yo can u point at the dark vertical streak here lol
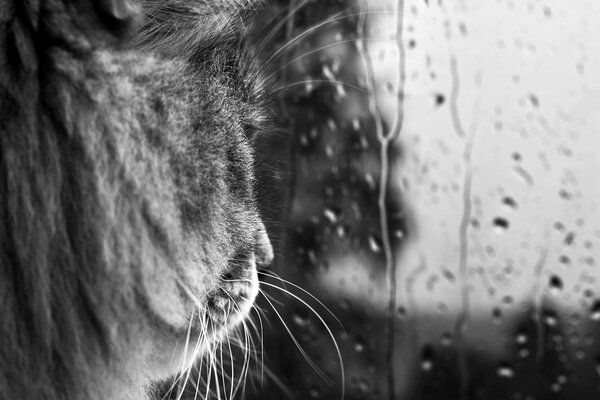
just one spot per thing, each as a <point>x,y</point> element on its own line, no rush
<point>456,122</point>
<point>537,299</point>
<point>386,141</point>
<point>462,320</point>
<point>391,267</point>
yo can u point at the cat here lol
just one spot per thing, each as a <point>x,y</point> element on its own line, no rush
<point>130,236</point>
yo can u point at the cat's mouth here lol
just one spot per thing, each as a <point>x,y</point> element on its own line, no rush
<point>231,302</point>
<point>219,313</point>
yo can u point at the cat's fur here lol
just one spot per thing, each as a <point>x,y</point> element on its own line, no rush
<point>127,210</point>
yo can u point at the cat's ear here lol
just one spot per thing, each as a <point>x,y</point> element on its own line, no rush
<point>120,15</point>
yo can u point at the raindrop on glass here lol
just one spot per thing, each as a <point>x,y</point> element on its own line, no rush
<point>505,371</point>
<point>375,243</point>
<point>500,224</point>
<point>595,311</point>
<point>556,284</point>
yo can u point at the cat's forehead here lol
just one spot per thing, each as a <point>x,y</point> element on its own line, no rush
<point>208,6</point>
<point>176,26</point>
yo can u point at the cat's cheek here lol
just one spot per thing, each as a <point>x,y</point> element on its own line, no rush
<point>170,357</point>
<point>163,296</point>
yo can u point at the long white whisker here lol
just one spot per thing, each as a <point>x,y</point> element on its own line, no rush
<point>232,367</point>
<point>279,89</point>
<point>309,31</point>
<point>286,282</point>
<point>269,77</point>
<point>291,12</point>
<point>223,375</point>
<point>315,367</point>
<point>337,348</point>
<point>262,343</point>
<point>182,359</point>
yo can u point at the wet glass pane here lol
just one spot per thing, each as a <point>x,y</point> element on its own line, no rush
<point>434,202</point>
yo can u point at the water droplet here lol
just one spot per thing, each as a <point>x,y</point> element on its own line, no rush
<point>427,358</point>
<point>363,385</point>
<point>446,339</point>
<point>303,140</point>
<point>505,371</point>
<point>345,304</point>
<point>440,99</point>
<point>371,183</point>
<point>523,353</point>
<point>401,312</point>
<point>569,239</point>
<point>314,392</point>
<point>535,102</point>
<point>324,266</point>
<point>426,365</point>
<point>496,315</point>
<point>556,284</point>
<point>565,260</point>
<point>549,318</point>
<point>375,244</point>
<point>332,214</point>
<point>595,311</point>
<point>500,224</point>
<point>521,338</point>
<point>329,150</point>
<point>300,320</point>
<point>312,256</point>
<point>359,344</point>
<point>509,202</point>
<point>342,231</point>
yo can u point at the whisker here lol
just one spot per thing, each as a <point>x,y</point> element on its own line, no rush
<point>310,30</point>
<point>286,282</point>
<point>315,367</point>
<point>273,299</point>
<point>261,335</point>
<point>291,12</point>
<point>310,81</point>
<point>223,374</point>
<point>307,32</point>
<point>273,74</point>
<point>177,380</point>
<point>331,335</point>
<point>204,326</point>
<point>231,390</point>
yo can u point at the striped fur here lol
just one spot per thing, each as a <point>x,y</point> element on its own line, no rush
<point>126,190</point>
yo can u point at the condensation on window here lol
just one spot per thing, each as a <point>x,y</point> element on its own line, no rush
<point>442,230</point>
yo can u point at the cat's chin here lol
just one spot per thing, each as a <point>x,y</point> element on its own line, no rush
<point>224,312</point>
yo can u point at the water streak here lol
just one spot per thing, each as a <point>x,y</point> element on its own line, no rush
<point>386,140</point>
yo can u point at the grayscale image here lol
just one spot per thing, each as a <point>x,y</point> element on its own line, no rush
<point>301,199</point>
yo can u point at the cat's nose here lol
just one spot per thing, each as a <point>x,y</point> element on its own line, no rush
<point>263,250</point>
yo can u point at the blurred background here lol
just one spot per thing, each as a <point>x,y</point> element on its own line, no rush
<point>435,189</point>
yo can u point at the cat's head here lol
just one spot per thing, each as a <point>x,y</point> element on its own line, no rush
<point>130,235</point>
<point>204,89</point>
